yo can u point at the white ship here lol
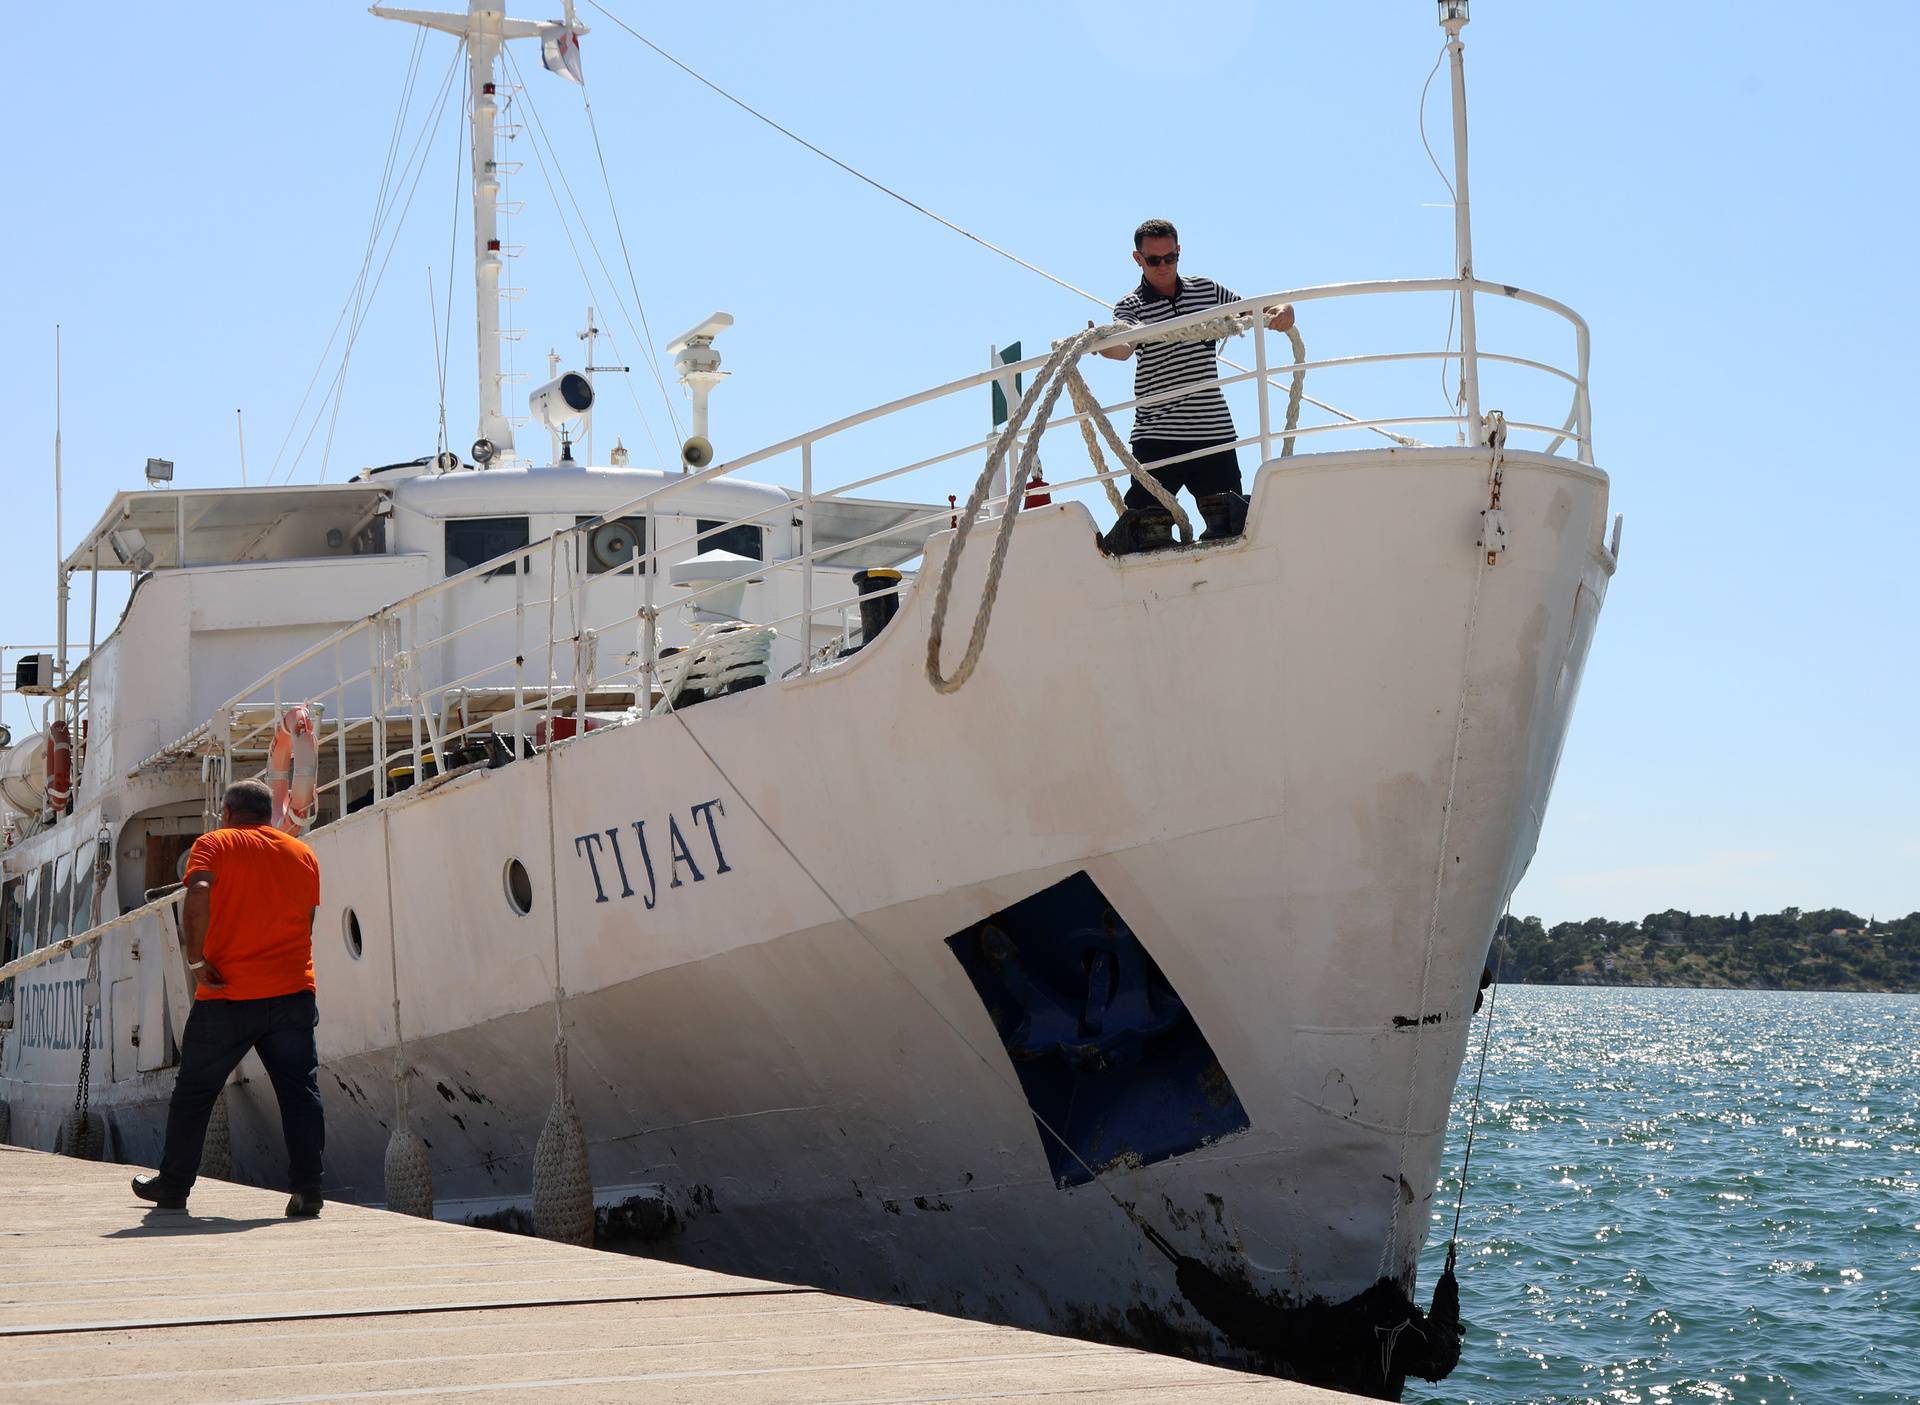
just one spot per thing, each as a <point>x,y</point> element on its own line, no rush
<point>1118,991</point>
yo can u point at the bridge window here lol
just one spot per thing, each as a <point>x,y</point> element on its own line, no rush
<point>748,539</point>
<point>83,914</point>
<point>57,929</point>
<point>471,540</point>
<point>12,923</point>
<point>39,903</point>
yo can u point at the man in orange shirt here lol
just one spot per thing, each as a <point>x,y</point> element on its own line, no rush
<point>251,895</point>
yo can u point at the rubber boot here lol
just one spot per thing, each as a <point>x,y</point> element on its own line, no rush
<point>1225,514</point>
<point>1139,529</point>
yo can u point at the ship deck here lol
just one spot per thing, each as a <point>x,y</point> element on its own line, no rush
<point>106,1298</point>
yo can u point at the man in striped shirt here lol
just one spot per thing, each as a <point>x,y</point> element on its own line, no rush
<point>1198,420</point>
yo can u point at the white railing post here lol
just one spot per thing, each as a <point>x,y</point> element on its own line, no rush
<point>806,555</point>
<point>410,680</point>
<point>522,568</point>
<point>1585,409</point>
<point>339,731</point>
<point>577,607</point>
<point>650,567</point>
<point>1260,379</point>
<point>377,702</point>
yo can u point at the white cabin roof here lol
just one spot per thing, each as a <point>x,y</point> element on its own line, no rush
<point>227,524</point>
<point>578,490</point>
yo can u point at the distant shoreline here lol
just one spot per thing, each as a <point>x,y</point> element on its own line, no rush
<point>1750,989</point>
<point>1825,949</point>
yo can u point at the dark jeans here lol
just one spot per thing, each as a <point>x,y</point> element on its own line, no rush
<point>217,1037</point>
<point>1218,472</point>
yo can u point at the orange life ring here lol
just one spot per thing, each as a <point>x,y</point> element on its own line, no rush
<point>59,766</point>
<point>293,770</point>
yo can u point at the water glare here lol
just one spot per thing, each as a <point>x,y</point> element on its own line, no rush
<point>1689,1195</point>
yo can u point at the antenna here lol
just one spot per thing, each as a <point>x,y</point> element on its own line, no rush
<point>589,336</point>
<point>240,427</point>
<point>439,366</point>
<point>59,526</point>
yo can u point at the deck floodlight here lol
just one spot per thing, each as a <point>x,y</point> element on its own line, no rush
<point>1453,14</point>
<point>561,400</point>
<point>159,471</point>
<point>130,545</point>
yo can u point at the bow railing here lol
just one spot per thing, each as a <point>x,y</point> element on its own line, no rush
<point>454,676</point>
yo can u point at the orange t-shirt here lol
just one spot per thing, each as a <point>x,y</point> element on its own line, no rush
<point>266,885</point>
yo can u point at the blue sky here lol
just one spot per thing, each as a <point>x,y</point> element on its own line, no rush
<point>1725,191</point>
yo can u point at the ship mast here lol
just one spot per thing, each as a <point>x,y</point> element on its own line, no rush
<point>1453,19</point>
<point>485,27</point>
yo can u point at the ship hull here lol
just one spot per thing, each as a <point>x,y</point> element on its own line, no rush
<point>1269,795</point>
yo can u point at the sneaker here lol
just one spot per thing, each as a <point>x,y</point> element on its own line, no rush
<point>304,1204</point>
<point>163,1196</point>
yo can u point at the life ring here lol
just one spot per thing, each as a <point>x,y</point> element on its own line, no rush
<point>59,766</point>
<point>293,769</point>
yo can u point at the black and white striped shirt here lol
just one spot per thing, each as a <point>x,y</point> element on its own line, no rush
<point>1198,418</point>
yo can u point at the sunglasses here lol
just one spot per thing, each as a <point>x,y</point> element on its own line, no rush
<point>1155,260</point>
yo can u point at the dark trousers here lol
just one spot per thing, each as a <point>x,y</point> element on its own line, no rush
<point>1217,472</point>
<point>217,1037</point>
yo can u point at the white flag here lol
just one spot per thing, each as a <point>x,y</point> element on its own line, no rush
<point>560,51</point>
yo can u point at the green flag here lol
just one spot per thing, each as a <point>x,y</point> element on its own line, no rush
<point>1005,356</point>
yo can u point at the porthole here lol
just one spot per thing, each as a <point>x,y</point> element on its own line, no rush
<point>519,887</point>
<point>350,926</point>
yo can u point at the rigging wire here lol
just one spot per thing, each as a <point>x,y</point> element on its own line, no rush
<point>538,132</point>
<point>1473,1116</point>
<point>360,293</point>
<point>439,366</point>
<point>942,219</point>
<point>539,129</point>
<point>417,164</point>
<point>835,160</point>
<point>653,356</point>
<point>373,234</point>
<point>453,248</point>
<point>1453,196</point>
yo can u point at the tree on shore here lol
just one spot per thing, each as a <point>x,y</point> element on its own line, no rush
<point>1825,949</point>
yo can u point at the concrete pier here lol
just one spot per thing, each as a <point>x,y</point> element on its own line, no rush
<point>104,1298</point>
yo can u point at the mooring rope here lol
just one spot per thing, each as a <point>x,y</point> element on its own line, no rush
<point>1473,1111</point>
<point>562,1172</point>
<point>1062,370</point>
<point>407,1170</point>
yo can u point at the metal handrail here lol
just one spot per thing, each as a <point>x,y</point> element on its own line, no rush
<point>392,632</point>
<point>53,951</point>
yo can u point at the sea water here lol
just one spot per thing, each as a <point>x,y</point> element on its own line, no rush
<point>1687,1195</point>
